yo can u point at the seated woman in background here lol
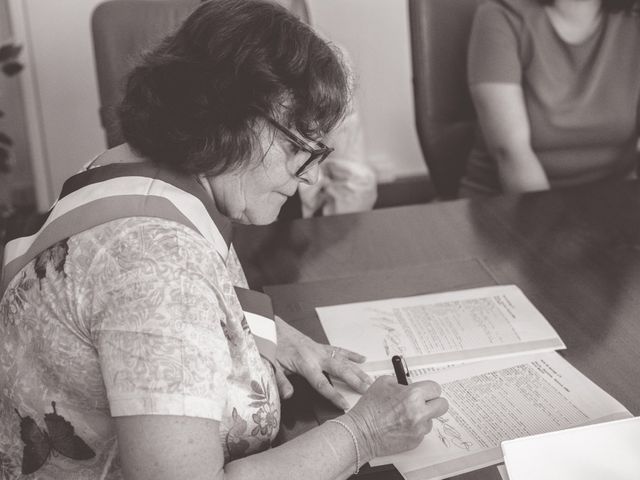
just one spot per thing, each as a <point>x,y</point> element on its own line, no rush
<point>347,180</point>
<point>556,87</point>
<point>131,347</point>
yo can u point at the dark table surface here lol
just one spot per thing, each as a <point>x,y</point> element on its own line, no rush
<point>575,253</point>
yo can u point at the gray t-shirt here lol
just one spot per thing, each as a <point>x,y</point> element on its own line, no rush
<point>582,99</point>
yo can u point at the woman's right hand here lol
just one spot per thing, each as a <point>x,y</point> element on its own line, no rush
<point>392,418</point>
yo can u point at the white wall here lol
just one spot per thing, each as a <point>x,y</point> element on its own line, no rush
<point>61,97</point>
<point>59,86</point>
<point>13,123</point>
<point>376,35</point>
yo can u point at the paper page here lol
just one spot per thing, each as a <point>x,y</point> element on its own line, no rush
<point>503,472</point>
<point>440,328</point>
<point>500,400</point>
<point>605,451</point>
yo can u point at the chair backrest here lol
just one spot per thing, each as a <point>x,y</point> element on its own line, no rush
<point>298,7</point>
<point>445,117</point>
<point>122,30</point>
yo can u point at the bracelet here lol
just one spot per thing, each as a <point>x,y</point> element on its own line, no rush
<point>355,442</point>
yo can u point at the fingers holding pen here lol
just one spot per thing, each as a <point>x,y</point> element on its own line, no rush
<point>396,417</point>
<point>429,389</point>
<point>437,407</point>
<point>425,403</point>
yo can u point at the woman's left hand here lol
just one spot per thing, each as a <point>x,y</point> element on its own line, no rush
<point>297,353</point>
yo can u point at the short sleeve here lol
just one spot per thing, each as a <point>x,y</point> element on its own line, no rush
<point>493,48</point>
<point>158,323</point>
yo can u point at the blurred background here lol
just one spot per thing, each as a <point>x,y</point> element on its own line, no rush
<point>51,107</point>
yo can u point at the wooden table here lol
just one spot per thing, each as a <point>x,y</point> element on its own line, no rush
<point>575,253</point>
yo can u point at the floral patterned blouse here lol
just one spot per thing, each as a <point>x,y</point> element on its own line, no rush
<point>137,316</point>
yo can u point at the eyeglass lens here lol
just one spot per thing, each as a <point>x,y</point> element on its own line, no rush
<point>316,155</point>
<point>315,158</point>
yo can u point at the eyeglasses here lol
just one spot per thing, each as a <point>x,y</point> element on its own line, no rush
<point>318,151</point>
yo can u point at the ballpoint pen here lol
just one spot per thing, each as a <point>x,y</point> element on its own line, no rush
<point>401,370</point>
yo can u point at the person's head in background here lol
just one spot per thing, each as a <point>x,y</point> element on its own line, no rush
<point>609,6</point>
<point>212,99</point>
<point>298,7</point>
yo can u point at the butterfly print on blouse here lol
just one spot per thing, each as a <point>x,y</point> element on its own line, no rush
<point>59,437</point>
<point>56,255</point>
<point>237,445</point>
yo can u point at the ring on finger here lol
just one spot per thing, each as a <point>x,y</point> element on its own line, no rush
<point>333,353</point>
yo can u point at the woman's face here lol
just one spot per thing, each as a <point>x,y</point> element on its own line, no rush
<point>254,193</point>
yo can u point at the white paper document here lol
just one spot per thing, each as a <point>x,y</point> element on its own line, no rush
<point>442,328</point>
<point>608,451</point>
<point>502,470</point>
<point>498,400</point>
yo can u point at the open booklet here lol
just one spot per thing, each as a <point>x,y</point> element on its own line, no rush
<point>497,400</point>
<point>493,354</point>
<point>441,328</point>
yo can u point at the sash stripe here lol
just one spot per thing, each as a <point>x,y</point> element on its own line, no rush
<point>255,302</point>
<point>115,191</point>
<point>262,326</point>
<point>143,187</point>
<point>107,172</point>
<point>35,224</point>
<point>80,219</point>
<point>267,348</point>
<point>258,312</point>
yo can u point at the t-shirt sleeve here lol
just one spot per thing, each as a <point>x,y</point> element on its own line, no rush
<point>159,324</point>
<point>493,55</point>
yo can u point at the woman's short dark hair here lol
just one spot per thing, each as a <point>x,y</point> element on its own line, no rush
<point>610,6</point>
<point>194,102</point>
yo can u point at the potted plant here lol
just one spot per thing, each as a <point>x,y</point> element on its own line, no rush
<point>9,66</point>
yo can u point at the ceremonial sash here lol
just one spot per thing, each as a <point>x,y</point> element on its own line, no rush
<point>121,190</point>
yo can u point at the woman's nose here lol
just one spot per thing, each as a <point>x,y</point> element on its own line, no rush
<point>311,175</point>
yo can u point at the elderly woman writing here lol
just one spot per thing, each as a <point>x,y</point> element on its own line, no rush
<point>131,347</point>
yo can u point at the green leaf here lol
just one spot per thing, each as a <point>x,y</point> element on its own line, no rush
<point>4,160</point>
<point>5,140</point>
<point>255,386</point>
<point>9,52</point>
<point>12,68</point>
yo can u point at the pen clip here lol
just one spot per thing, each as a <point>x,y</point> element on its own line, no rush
<point>406,370</point>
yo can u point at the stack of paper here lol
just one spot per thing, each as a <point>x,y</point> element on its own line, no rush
<point>493,354</point>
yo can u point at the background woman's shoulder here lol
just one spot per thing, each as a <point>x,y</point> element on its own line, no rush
<point>516,9</point>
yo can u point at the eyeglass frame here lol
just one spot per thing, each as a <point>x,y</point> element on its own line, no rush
<point>304,144</point>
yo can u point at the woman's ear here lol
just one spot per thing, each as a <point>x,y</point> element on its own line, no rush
<point>229,194</point>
